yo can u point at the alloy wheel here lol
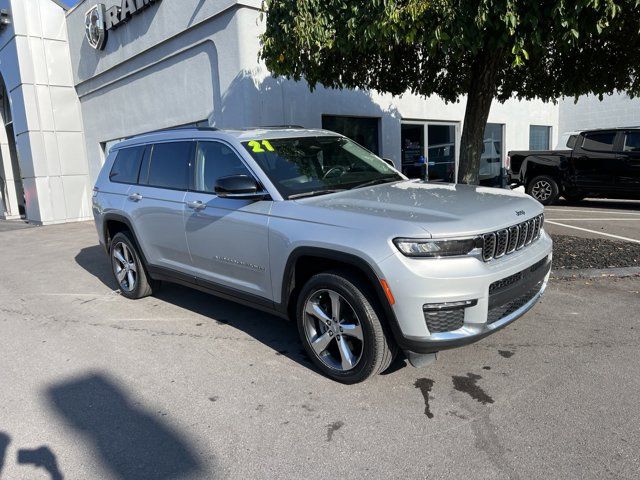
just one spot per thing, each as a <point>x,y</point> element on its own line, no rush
<point>333,330</point>
<point>542,190</point>
<point>125,267</point>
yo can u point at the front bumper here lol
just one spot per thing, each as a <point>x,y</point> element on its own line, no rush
<point>518,280</point>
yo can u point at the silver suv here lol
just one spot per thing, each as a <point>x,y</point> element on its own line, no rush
<point>308,225</point>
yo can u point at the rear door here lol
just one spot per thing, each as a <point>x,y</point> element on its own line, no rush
<point>227,237</point>
<point>594,162</point>
<point>156,204</point>
<point>629,174</point>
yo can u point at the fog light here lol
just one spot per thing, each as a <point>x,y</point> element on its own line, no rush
<point>439,307</point>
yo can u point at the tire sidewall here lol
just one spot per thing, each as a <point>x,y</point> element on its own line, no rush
<point>555,190</point>
<point>141,273</point>
<point>364,312</point>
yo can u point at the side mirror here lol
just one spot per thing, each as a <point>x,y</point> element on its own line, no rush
<point>238,186</point>
<point>389,162</point>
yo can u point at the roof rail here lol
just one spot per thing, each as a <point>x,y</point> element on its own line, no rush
<point>282,126</point>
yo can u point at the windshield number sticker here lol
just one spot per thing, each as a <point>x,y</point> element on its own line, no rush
<point>256,146</point>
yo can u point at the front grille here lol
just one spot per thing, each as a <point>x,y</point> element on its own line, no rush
<point>508,240</point>
<point>508,308</point>
<point>444,320</point>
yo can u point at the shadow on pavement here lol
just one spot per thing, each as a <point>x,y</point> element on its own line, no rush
<point>41,457</point>
<point>95,261</point>
<point>274,332</point>
<point>131,442</point>
<point>5,440</point>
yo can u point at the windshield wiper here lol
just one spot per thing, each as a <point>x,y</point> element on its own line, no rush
<point>377,181</point>
<point>314,193</point>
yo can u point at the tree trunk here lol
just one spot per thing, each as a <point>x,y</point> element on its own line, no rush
<point>484,75</point>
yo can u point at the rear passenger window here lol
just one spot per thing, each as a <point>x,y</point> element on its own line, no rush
<point>599,142</point>
<point>169,165</point>
<point>215,160</point>
<point>126,165</point>
<point>632,142</point>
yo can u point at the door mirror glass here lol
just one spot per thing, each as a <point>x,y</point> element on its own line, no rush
<point>237,186</point>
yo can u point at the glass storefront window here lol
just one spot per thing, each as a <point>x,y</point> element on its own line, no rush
<point>362,130</point>
<point>539,137</point>
<point>491,158</point>
<point>412,139</point>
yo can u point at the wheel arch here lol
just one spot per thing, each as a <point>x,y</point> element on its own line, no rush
<point>304,262</point>
<point>114,223</point>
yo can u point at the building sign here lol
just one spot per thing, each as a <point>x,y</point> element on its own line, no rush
<point>99,20</point>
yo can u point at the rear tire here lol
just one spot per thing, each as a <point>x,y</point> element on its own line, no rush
<point>347,355</point>
<point>128,269</point>
<point>544,189</point>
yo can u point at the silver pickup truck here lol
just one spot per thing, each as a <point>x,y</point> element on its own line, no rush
<point>308,225</point>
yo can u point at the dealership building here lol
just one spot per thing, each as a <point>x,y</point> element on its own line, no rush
<point>74,82</point>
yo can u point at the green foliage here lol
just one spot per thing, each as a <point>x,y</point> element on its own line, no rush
<point>544,49</point>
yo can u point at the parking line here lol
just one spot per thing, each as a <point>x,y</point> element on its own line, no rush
<point>576,210</point>
<point>633,240</point>
<point>597,219</point>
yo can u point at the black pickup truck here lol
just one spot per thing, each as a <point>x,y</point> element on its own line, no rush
<point>597,163</point>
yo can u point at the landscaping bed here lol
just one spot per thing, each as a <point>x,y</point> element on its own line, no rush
<point>577,253</point>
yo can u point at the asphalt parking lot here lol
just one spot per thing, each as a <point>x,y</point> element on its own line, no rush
<point>596,218</point>
<point>184,385</point>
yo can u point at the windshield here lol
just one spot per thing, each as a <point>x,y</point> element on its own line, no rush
<point>315,165</point>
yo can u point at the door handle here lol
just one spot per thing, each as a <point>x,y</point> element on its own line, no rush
<point>197,205</point>
<point>135,197</point>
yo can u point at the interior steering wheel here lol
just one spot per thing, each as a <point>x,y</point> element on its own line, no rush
<point>342,170</point>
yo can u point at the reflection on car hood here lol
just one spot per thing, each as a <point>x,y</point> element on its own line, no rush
<point>440,209</point>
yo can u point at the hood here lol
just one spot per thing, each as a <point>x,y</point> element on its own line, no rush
<point>442,210</point>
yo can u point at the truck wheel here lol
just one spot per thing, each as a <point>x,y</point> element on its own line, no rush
<point>128,269</point>
<point>340,329</point>
<point>544,189</point>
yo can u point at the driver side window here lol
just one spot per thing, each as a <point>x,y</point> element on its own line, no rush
<point>213,161</point>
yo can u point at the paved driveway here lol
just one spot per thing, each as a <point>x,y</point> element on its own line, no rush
<point>596,218</point>
<point>183,385</point>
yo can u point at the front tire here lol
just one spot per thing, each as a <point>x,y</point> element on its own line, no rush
<point>340,328</point>
<point>544,189</point>
<point>128,269</point>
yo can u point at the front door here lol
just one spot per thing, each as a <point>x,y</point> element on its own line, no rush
<point>413,151</point>
<point>441,152</point>
<point>228,238</point>
<point>629,174</point>
<point>595,163</point>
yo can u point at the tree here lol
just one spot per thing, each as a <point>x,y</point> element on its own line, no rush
<point>486,49</point>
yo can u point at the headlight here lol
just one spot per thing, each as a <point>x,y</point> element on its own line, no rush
<point>436,248</point>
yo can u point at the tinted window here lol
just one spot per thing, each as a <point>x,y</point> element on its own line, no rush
<point>169,165</point>
<point>571,142</point>
<point>600,142</point>
<point>632,142</point>
<point>539,137</point>
<point>215,160</point>
<point>362,130</point>
<point>127,165</point>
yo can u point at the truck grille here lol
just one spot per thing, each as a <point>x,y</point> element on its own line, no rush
<point>508,240</point>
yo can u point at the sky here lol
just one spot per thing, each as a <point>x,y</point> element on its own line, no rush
<point>71,3</point>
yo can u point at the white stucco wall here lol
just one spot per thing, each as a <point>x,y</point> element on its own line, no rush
<point>184,61</point>
<point>617,110</point>
<point>35,64</point>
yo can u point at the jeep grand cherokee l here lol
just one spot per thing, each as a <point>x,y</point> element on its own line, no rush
<point>308,225</point>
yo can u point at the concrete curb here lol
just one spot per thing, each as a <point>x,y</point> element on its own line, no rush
<point>596,273</point>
